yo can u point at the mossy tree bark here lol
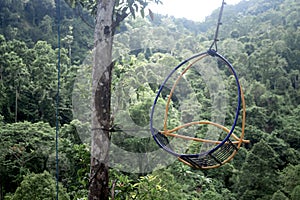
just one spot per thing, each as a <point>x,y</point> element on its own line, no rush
<point>101,95</point>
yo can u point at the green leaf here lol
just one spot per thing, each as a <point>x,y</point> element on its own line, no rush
<point>132,11</point>
<point>143,12</point>
<point>136,7</point>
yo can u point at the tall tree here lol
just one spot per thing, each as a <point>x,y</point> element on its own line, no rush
<point>101,81</point>
<point>108,15</point>
<point>262,163</point>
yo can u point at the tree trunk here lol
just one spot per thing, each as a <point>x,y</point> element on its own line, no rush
<point>100,105</point>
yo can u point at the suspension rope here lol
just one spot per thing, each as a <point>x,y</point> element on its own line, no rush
<point>57,97</point>
<point>217,29</point>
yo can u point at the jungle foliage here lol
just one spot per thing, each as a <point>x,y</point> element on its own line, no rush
<point>261,38</point>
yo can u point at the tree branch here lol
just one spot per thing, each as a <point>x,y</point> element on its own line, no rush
<point>119,18</point>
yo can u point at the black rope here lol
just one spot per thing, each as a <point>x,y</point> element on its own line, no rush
<point>217,29</point>
<point>117,129</point>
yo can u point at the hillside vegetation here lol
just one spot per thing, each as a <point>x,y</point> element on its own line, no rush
<point>261,38</point>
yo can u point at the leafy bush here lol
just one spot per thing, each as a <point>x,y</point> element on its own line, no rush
<point>296,193</point>
<point>38,187</point>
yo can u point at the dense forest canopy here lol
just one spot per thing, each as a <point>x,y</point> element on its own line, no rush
<point>261,38</point>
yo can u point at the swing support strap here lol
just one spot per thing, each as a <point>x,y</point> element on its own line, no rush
<point>214,44</point>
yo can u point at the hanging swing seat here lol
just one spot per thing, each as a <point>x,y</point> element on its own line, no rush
<point>224,150</point>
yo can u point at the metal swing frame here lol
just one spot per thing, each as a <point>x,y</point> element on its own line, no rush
<point>224,150</point>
